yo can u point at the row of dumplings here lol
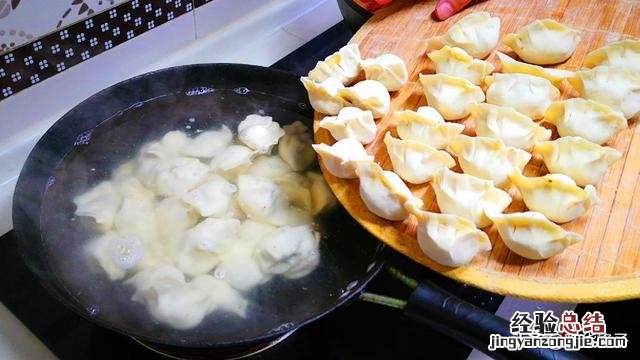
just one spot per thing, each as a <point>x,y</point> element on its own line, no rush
<point>506,132</point>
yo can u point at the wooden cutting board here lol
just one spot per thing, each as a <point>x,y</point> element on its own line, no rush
<point>606,265</point>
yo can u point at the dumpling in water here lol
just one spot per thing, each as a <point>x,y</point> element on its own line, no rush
<point>583,161</point>
<point>136,215</point>
<point>172,144</point>
<point>450,95</point>
<point>98,250</point>
<point>202,245</point>
<point>427,126</point>
<point>616,87</point>
<point>233,157</point>
<point>556,196</point>
<point>322,198</point>
<point>340,159</point>
<point>388,69</point>
<point>221,295</point>
<point>211,198</point>
<point>239,268</point>
<point>208,143</point>
<point>504,123</point>
<point>368,95</point>
<point>531,235</point>
<point>290,250</point>
<point>456,62</point>
<point>510,65</point>
<point>179,176</point>
<point>269,166</point>
<point>351,122</point>
<point>383,192</point>
<point>530,95</point>
<point>101,202</point>
<point>544,42</point>
<point>323,96</point>
<point>173,218</point>
<point>296,189</point>
<point>624,54</point>
<point>488,158</point>
<point>414,161</point>
<point>343,65</point>
<point>585,118</point>
<point>468,196</point>
<point>447,239</point>
<point>476,33</point>
<point>260,133</point>
<point>295,146</point>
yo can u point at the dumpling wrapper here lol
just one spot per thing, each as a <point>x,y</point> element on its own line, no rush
<point>450,95</point>
<point>208,143</point>
<point>488,158</point>
<point>583,161</point>
<point>504,123</point>
<point>368,95</point>
<point>202,245</point>
<point>341,158</point>
<point>510,65</point>
<point>383,192</point>
<point>456,62</point>
<point>290,251</point>
<point>448,239</point>
<point>269,166</point>
<point>173,218</point>
<point>295,146</point>
<point>222,295</point>
<point>427,126</point>
<point>624,54</point>
<point>544,42</point>
<point>260,133</point>
<point>414,161</point>
<point>296,188</point>
<point>388,69</point>
<point>323,96</point>
<point>322,198</point>
<point>531,235</point>
<point>211,198</point>
<point>239,268</point>
<point>476,33</point>
<point>353,123</point>
<point>179,175</point>
<point>343,65</point>
<point>468,196</point>
<point>172,144</point>
<point>556,196</point>
<point>101,202</point>
<point>136,215</point>
<point>98,250</point>
<point>528,94</point>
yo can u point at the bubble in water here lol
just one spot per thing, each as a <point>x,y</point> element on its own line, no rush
<point>241,90</point>
<point>126,251</point>
<point>192,120</point>
<point>92,310</point>
<point>93,169</point>
<point>283,327</point>
<point>188,127</point>
<point>302,106</point>
<point>351,285</point>
<point>219,273</point>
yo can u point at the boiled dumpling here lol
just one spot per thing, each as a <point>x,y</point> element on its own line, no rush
<point>295,146</point>
<point>211,198</point>
<point>239,268</point>
<point>583,161</point>
<point>233,157</point>
<point>101,203</point>
<point>368,95</point>
<point>624,54</point>
<point>323,96</point>
<point>531,235</point>
<point>179,175</point>
<point>450,95</point>
<point>447,239</point>
<point>414,161</point>
<point>388,69</point>
<point>136,215</point>
<point>456,62</point>
<point>383,192</point>
<point>172,144</point>
<point>351,122</point>
<point>476,33</point>
<point>98,250</point>
<point>544,42</point>
<point>468,196</point>
<point>585,118</point>
<point>269,166</point>
<point>259,132</point>
<point>221,295</point>
<point>504,123</point>
<point>556,196</point>
<point>296,189</point>
<point>202,245</point>
<point>343,65</point>
<point>321,196</point>
<point>530,95</point>
<point>488,158</point>
<point>290,250</point>
<point>510,65</point>
<point>208,143</point>
<point>426,125</point>
<point>341,158</point>
<point>616,87</point>
<point>173,218</point>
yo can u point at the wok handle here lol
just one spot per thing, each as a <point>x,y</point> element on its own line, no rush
<point>469,324</point>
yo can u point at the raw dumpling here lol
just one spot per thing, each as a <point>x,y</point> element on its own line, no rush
<point>211,198</point>
<point>174,217</point>
<point>291,251</point>
<point>450,95</point>
<point>179,175</point>
<point>447,239</point>
<point>351,122</point>
<point>383,192</point>
<point>426,125</point>
<point>388,69</point>
<point>544,42</point>
<point>368,95</point>
<point>101,202</point>
<point>624,54</point>
<point>488,158</point>
<point>585,118</point>
<point>616,87</point>
<point>456,62</point>
<point>295,146</point>
<point>468,196</point>
<point>221,294</point>
<point>510,65</point>
<point>530,95</point>
<point>476,33</point>
<point>531,235</point>
<point>323,96</point>
<point>504,123</point>
<point>209,143</point>
<point>343,65</point>
<point>414,161</point>
<point>202,245</point>
<point>232,157</point>
<point>322,198</point>
<point>341,158</point>
<point>583,161</point>
<point>556,196</point>
<point>269,166</point>
<point>260,133</point>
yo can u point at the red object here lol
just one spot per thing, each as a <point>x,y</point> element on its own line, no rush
<point>569,324</point>
<point>593,323</point>
<point>372,5</point>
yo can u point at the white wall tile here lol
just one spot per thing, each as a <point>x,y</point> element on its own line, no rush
<point>218,14</point>
<point>316,20</point>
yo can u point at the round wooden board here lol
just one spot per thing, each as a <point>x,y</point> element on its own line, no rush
<point>606,265</point>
